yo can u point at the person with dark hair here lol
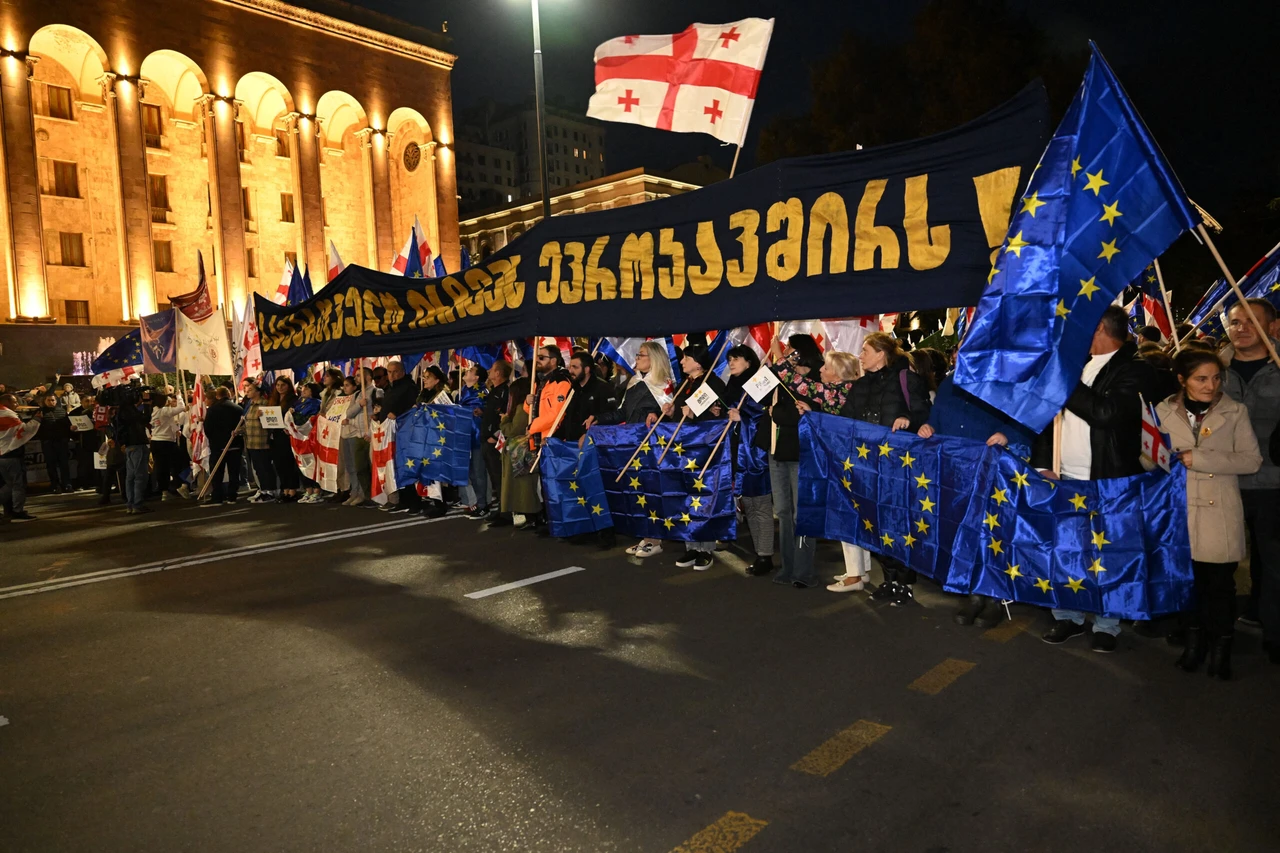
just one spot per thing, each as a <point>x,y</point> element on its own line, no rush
<point>750,463</point>
<point>222,426</point>
<point>257,443</point>
<point>306,407</point>
<point>132,420</point>
<point>472,396</point>
<point>1183,329</point>
<point>592,397</point>
<point>1254,380</point>
<point>354,444</point>
<point>548,396</point>
<point>1162,365</point>
<point>1212,437</point>
<point>495,406</point>
<point>890,394</point>
<point>398,397</point>
<point>519,486</point>
<point>13,465</point>
<point>282,459</point>
<point>435,387</point>
<point>1102,438</point>
<point>55,443</point>
<point>1149,333</point>
<point>164,443</point>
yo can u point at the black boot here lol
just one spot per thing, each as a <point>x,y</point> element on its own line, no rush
<point>969,610</point>
<point>1220,658</point>
<point>1193,652</point>
<point>762,566</point>
<point>991,614</point>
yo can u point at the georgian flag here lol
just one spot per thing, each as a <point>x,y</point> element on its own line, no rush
<point>384,461</point>
<point>418,246</point>
<point>335,262</point>
<point>249,346</point>
<point>1155,441</point>
<point>813,328</point>
<point>281,296</point>
<point>302,441</point>
<point>119,376</point>
<point>328,430</point>
<point>701,80</point>
<point>199,442</point>
<point>13,431</point>
<point>847,334</point>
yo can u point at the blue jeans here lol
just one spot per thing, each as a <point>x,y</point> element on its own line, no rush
<point>1101,624</point>
<point>476,492</point>
<point>797,559</point>
<point>136,477</point>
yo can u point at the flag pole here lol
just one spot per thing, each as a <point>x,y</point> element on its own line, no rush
<point>1217,305</point>
<point>648,435</point>
<point>676,432</point>
<point>1248,309</point>
<point>208,481</point>
<point>723,433</point>
<point>1168,309</point>
<point>734,168</point>
<point>1057,445</point>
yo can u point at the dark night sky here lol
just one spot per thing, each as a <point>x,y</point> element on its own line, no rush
<point>1203,74</point>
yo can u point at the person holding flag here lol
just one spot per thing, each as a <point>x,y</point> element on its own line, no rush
<point>14,434</point>
<point>750,463</point>
<point>1211,435</point>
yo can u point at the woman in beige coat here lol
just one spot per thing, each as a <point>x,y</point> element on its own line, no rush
<point>1213,438</point>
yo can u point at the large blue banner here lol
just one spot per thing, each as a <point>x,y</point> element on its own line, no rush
<point>671,500</point>
<point>978,519</point>
<point>904,226</point>
<point>433,445</point>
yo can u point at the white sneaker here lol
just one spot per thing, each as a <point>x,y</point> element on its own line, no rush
<point>841,586</point>
<point>184,491</point>
<point>689,558</point>
<point>648,549</point>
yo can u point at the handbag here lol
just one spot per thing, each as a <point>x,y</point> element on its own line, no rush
<point>521,458</point>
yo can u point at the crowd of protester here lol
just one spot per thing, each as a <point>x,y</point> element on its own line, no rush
<point>1219,404</point>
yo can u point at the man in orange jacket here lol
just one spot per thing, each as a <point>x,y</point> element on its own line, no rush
<point>549,396</point>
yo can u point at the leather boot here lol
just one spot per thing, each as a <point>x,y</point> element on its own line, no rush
<point>1220,658</point>
<point>969,610</point>
<point>1193,652</point>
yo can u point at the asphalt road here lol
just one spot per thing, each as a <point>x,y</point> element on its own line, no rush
<point>289,678</point>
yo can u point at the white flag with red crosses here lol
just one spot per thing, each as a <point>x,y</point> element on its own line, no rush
<point>702,80</point>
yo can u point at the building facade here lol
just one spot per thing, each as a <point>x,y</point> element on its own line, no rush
<point>575,148</point>
<point>488,232</point>
<point>136,135</point>
<point>486,175</point>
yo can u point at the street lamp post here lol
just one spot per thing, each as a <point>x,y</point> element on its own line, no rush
<point>539,95</point>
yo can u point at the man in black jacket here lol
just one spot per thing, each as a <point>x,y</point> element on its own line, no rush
<point>132,421</point>
<point>495,406</point>
<point>222,428</point>
<point>592,397</point>
<point>399,397</point>
<point>1102,438</point>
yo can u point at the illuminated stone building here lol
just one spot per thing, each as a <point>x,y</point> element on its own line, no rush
<point>135,134</point>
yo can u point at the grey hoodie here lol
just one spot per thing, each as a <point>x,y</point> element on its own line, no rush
<point>1262,398</point>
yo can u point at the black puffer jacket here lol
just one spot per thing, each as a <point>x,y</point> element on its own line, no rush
<point>495,406</point>
<point>878,397</point>
<point>637,404</point>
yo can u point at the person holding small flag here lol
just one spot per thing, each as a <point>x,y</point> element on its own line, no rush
<point>696,365</point>
<point>1212,437</point>
<point>750,463</point>
<point>495,406</point>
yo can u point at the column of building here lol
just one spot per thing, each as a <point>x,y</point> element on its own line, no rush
<point>375,144</point>
<point>137,270</point>
<point>304,131</point>
<point>223,151</point>
<point>28,292</point>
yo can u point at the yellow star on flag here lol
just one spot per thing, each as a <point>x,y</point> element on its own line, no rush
<point>408,463</point>
<point>635,482</point>
<point>1100,539</point>
<point>1095,182</point>
<point>1097,568</point>
<point>867,523</point>
<point>442,439</point>
<point>1016,244</point>
<point>1075,167</point>
<point>996,546</point>
<point>1000,496</point>
<point>1076,585</point>
<point>653,515</point>
<point>426,461</point>
<point>641,500</point>
<point>848,463</point>
<point>691,464</point>
<point>1013,570</point>
<point>662,441</point>
<point>863,450</point>
<point>668,523</point>
<point>1109,250</point>
<point>1078,501</point>
<point>698,484</point>
<point>1110,212</point>
<point>1031,204</point>
<point>582,501</point>
<point>1043,584</point>
<point>991,521</point>
<point>926,505</point>
<point>922,526</point>
<point>635,463</point>
<point>1019,479</point>
<point>684,516</point>
<point>695,502</point>
<point>596,509</point>
<point>844,481</point>
<point>679,449</point>
<point>1088,288</point>
<point>436,453</point>
<point>923,482</point>
<point>573,487</point>
<point>886,539</point>
<point>645,448</point>
<point>907,459</point>
<point>1062,310</point>
<point>909,540</point>
<point>884,449</point>
<point>991,275</point>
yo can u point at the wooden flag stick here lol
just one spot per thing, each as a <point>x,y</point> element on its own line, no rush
<point>672,441</point>
<point>208,481</point>
<point>723,433</point>
<point>555,425</point>
<point>1168,309</point>
<point>647,435</point>
<point>1248,309</point>
<point>1057,444</point>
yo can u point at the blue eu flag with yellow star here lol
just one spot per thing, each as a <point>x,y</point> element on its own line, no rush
<point>125,352</point>
<point>1262,281</point>
<point>1100,206</point>
<point>672,499</point>
<point>433,445</point>
<point>979,519</point>
<point>573,489</point>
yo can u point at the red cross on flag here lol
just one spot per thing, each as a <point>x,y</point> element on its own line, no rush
<point>702,80</point>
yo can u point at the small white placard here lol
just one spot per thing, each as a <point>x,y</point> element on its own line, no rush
<point>761,384</point>
<point>100,461</point>
<point>82,423</point>
<point>701,400</point>
<point>270,417</point>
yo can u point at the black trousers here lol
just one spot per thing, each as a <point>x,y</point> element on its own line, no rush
<point>1215,607</point>
<point>409,497</point>
<point>111,477</point>
<point>493,463</point>
<point>231,464</point>
<point>896,570</point>
<point>282,459</point>
<point>57,461</point>
<point>262,467</point>
<point>165,454</point>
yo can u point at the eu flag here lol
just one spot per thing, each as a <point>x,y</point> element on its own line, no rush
<point>433,445</point>
<point>159,334</point>
<point>979,519</point>
<point>1100,206</point>
<point>1260,282</point>
<point>125,352</point>
<point>299,292</point>
<point>573,489</point>
<point>672,500</point>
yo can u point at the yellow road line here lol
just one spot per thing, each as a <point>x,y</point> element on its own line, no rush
<point>717,570</point>
<point>1007,630</point>
<point>940,677</point>
<point>725,835</point>
<point>831,755</point>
